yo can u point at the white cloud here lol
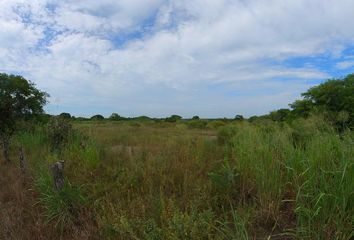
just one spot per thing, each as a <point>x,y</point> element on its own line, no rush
<point>345,64</point>
<point>70,48</point>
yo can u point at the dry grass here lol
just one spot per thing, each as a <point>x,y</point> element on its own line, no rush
<point>22,217</point>
<point>145,180</point>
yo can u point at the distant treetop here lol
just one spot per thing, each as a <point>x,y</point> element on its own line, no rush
<point>65,115</point>
<point>97,117</point>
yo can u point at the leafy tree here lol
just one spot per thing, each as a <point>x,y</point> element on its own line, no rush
<point>173,118</point>
<point>97,117</point>
<point>19,100</point>
<point>335,94</point>
<point>253,118</point>
<point>302,108</point>
<point>195,118</point>
<point>280,115</point>
<point>335,98</point>
<point>65,115</point>
<point>239,117</point>
<point>115,117</point>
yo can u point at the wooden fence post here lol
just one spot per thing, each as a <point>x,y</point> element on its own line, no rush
<point>58,176</point>
<point>23,162</point>
<point>5,148</point>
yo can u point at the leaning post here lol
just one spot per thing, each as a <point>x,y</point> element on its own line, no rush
<point>58,176</point>
<point>23,161</point>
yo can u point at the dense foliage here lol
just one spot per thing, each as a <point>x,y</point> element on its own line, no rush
<point>19,100</point>
<point>333,99</point>
<point>97,117</point>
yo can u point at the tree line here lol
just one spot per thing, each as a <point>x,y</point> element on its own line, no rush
<point>334,99</point>
<point>21,101</point>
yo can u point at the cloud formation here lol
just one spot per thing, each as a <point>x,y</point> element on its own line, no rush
<point>160,57</point>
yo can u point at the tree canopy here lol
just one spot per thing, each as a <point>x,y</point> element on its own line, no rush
<point>115,117</point>
<point>19,99</point>
<point>173,118</point>
<point>65,115</point>
<point>335,97</point>
<point>97,117</point>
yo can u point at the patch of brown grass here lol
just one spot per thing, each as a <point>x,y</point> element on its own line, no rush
<point>21,217</point>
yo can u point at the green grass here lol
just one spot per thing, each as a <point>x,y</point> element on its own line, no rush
<point>209,180</point>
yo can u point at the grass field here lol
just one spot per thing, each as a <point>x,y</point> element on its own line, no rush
<point>233,180</point>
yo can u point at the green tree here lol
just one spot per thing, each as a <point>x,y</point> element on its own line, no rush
<point>19,100</point>
<point>280,115</point>
<point>115,117</point>
<point>302,108</point>
<point>335,94</point>
<point>239,117</point>
<point>97,117</point>
<point>335,98</point>
<point>173,118</point>
<point>65,115</point>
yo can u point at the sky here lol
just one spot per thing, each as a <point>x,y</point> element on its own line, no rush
<point>212,58</point>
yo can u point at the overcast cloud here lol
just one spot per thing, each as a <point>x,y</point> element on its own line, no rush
<point>213,58</point>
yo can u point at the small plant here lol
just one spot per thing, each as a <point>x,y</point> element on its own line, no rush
<point>58,131</point>
<point>62,206</point>
<point>224,177</point>
<point>197,124</point>
<point>226,133</point>
<point>134,229</point>
<point>234,229</point>
<point>194,225</point>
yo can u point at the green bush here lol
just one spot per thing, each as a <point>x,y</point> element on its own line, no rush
<point>184,226</point>
<point>58,132</point>
<point>226,133</point>
<point>224,177</point>
<point>61,206</point>
<point>197,124</point>
<point>215,124</point>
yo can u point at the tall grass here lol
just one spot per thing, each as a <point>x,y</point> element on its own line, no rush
<point>179,181</point>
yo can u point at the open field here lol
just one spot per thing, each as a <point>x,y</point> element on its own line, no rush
<point>176,120</point>
<point>158,180</point>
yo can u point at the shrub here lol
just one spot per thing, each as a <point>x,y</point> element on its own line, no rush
<point>197,124</point>
<point>215,124</point>
<point>58,132</point>
<point>224,178</point>
<point>61,206</point>
<point>226,133</point>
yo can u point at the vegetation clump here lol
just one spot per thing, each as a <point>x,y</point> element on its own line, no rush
<point>19,100</point>
<point>58,131</point>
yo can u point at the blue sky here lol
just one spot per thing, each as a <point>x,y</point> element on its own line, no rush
<point>212,58</point>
